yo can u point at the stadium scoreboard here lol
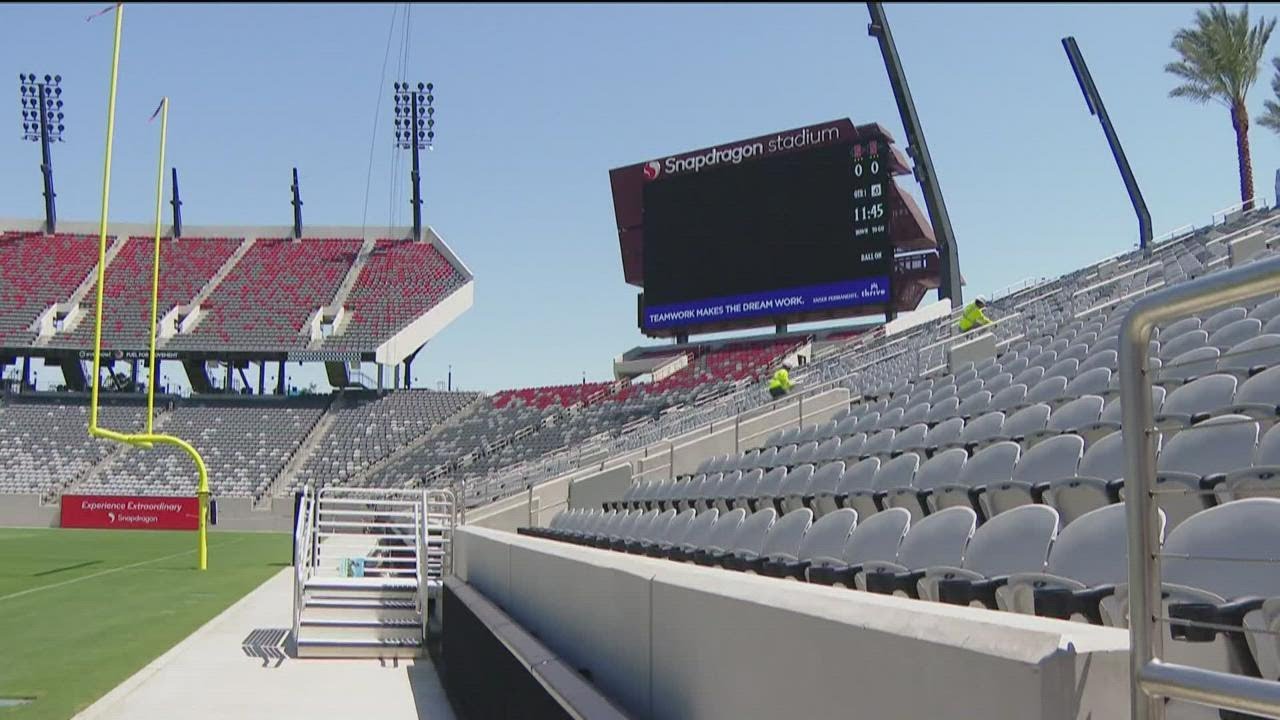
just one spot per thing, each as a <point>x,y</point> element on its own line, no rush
<point>790,225</point>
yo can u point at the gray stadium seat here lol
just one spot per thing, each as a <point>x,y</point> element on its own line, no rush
<point>698,536</point>
<point>940,470</point>
<point>898,472</point>
<point>1016,541</point>
<point>1196,458</point>
<point>1235,333</point>
<point>824,541</point>
<point>1190,365</point>
<point>993,464</point>
<point>1196,399</point>
<point>1251,356</point>
<point>781,543</point>
<point>795,486</point>
<point>943,434</point>
<point>1223,318</point>
<point>1088,559</point>
<point>726,491</point>
<point>824,483</point>
<point>855,477</point>
<point>1009,398</point>
<point>1260,480</point>
<point>851,447</point>
<point>1081,412</point>
<point>1054,459</point>
<point>980,429</point>
<point>939,540</point>
<point>748,541</point>
<point>974,405</point>
<point>911,438</point>
<point>875,539</point>
<point>1170,349</point>
<point>879,444</point>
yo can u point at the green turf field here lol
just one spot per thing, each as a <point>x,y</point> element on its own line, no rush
<point>82,610</point>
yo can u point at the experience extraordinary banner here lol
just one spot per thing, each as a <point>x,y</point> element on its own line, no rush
<point>125,512</point>
<point>863,291</point>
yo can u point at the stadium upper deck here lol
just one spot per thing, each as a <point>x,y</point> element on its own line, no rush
<point>231,291</point>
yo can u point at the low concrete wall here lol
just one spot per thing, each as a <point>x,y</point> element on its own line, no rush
<point>26,511</point>
<point>237,514</point>
<point>594,490</point>
<point>668,640</point>
<point>234,514</point>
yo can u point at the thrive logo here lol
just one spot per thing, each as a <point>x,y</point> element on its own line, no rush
<point>652,169</point>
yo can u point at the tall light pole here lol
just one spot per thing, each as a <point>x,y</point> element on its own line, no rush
<point>1093,100</point>
<point>42,122</point>
<point>918,149</point>
<point>415,130</point>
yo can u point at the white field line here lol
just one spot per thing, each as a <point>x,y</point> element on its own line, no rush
<point>51,586</point>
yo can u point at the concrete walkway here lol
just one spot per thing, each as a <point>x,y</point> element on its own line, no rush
<point>236,667</point>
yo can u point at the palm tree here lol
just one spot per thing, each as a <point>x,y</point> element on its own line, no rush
<point>1218,60</point>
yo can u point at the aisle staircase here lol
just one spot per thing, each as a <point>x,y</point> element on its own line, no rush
<point>369,565</point>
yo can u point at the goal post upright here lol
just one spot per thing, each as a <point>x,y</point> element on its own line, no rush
<point>148,437</point>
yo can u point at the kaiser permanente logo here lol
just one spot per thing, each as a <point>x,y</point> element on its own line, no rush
<point>734,154</point>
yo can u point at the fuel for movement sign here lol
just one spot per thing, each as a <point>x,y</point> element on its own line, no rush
<point>123,512</point>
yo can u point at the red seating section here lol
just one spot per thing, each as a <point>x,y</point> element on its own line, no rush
<point>265,301</point>
<point>401,281</point>
<point>544,397</point>
<point>186,265</point>
<point>731,362</point>
<point>37,271</point>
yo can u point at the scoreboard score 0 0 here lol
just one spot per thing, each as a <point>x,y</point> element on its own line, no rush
<point>870,179</point>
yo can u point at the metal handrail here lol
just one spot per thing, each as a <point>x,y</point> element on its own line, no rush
<point>303,554</point>
<point>1233,207</point>
<point>1149,676</point>
<point>420,550</point>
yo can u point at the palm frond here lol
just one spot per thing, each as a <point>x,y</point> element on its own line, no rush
<point>1218,56</point>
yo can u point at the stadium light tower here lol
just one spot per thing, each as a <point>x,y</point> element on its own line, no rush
<point>415,131</point>
<point>918,149</point>
<point>1093,100</point>
<point>42,122</point>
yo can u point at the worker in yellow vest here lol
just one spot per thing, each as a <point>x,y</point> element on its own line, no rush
<point>972,316</point>
<point>780,384</point>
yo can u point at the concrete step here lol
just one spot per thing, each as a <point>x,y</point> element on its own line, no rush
<point>343,608</point>
<point>359,583</point>
<point>406,646</point>
<point>358,629</point>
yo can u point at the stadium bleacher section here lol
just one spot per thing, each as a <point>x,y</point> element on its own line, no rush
<point>399,282</point>
<point>44,444</point>
<point>256,291</point>
<point>37,271</point>
<point>188,265</point>
<point>267,299</point>
<point>368,427</point>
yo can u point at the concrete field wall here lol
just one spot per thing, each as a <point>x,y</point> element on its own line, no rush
<point>234,514</point>
<point>669,640</point>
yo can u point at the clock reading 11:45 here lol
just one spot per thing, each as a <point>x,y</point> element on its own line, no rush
<point>870,176</point>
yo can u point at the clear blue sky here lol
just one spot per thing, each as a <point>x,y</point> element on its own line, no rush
<point>536,103</point>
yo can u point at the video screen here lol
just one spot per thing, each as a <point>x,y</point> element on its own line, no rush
<point>806,231</point>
